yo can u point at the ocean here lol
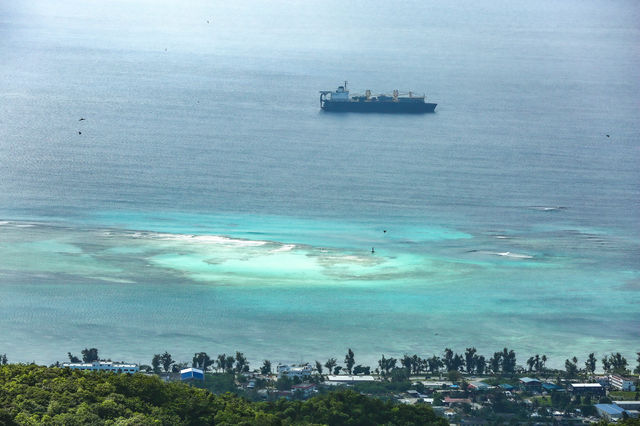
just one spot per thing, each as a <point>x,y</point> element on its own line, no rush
<point>206,203</point>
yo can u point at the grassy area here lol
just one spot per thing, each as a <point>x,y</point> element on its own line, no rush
<point>217,383</point>
<point>543,401</point>
<point>624,396</point>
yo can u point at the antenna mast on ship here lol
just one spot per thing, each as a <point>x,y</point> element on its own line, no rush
<point>345,85</point>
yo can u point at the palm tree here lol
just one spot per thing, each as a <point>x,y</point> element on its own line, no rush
<point>469,358</point>
<point>330,364</point>
<point>221,362</point>
<point>590,363</point>
<point>531,362</point>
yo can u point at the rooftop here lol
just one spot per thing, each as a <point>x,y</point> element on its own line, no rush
<point>610,409</point>
<point>347,378</point>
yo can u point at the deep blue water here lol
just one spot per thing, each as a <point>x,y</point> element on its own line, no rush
<point>509,205</point>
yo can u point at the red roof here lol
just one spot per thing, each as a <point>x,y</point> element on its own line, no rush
<point>304,386</point>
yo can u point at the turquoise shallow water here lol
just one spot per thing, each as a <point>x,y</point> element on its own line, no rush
<point>205,203</point>
<point>304,298</point>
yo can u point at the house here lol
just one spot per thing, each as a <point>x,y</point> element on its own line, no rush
<point>453,401</point>
<point>622,383</point>
<point>478,386</point>
<point>609,412</point>
<point>435,385</point>
<point>115,367</point>
<point>530,384</point>
<point>307,389</point>
<point>506,386</point>
<point>595,389</point>
<point>191,374</point>
<point>300,371</point>
<point>550,387</point>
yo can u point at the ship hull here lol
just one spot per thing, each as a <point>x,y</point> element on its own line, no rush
<point>381,107</point>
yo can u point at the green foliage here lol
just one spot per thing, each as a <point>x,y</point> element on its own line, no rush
<point>330,364</point>
<point>284,383</point>
<point>454,375</point>
<point>218,383</point>
<point>359,369</point>
<point>571,367</point>
<point>242,365</point>
<point>266,367</point>
<point>590,363</point>
<point>31,394</point>
<point>73,358</point>
<point>351,408</point>
<point>400,375</point>
<point>387,364</point>
<point>201,360</point>
<point>90,355</point>
<point>155,363</point>
<point>434,364</point>
<point>349,360</point>
<point>382,388</point>
<point>615,363</point>
<point>167,361</point>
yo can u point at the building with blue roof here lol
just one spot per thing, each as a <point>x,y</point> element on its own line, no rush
<point>506,386</point>
<point>549,387</point>
<point>609,412</point>
<point>530,384</point>
<point>191,374</point>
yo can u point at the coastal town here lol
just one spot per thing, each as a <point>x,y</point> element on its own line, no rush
<point>459,388</point>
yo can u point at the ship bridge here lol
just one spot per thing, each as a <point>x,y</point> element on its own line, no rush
<point>341,94</point>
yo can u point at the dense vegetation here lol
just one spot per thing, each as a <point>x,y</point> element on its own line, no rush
<point>31,394</point>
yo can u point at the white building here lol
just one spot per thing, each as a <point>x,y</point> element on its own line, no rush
<point>622,383</point>
<point>115,367</point>
<point>349,379</point>
<point>294,370</point>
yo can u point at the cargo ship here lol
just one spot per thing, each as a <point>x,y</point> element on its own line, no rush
<point>339,101</point>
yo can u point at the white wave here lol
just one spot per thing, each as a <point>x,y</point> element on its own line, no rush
<point>284,248</point>
<point>207,239</point>
<point>514,255</point>
<point>548,209</point>
<point>3,222</point>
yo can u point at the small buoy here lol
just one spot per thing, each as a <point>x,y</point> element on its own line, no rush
<point>385,231</point>
<point>372,250</point>
<point>79,132</point>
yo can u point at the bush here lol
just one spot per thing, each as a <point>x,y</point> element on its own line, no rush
<point>31,394</point>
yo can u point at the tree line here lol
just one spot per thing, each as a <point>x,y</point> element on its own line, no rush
<point>502,362</point>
